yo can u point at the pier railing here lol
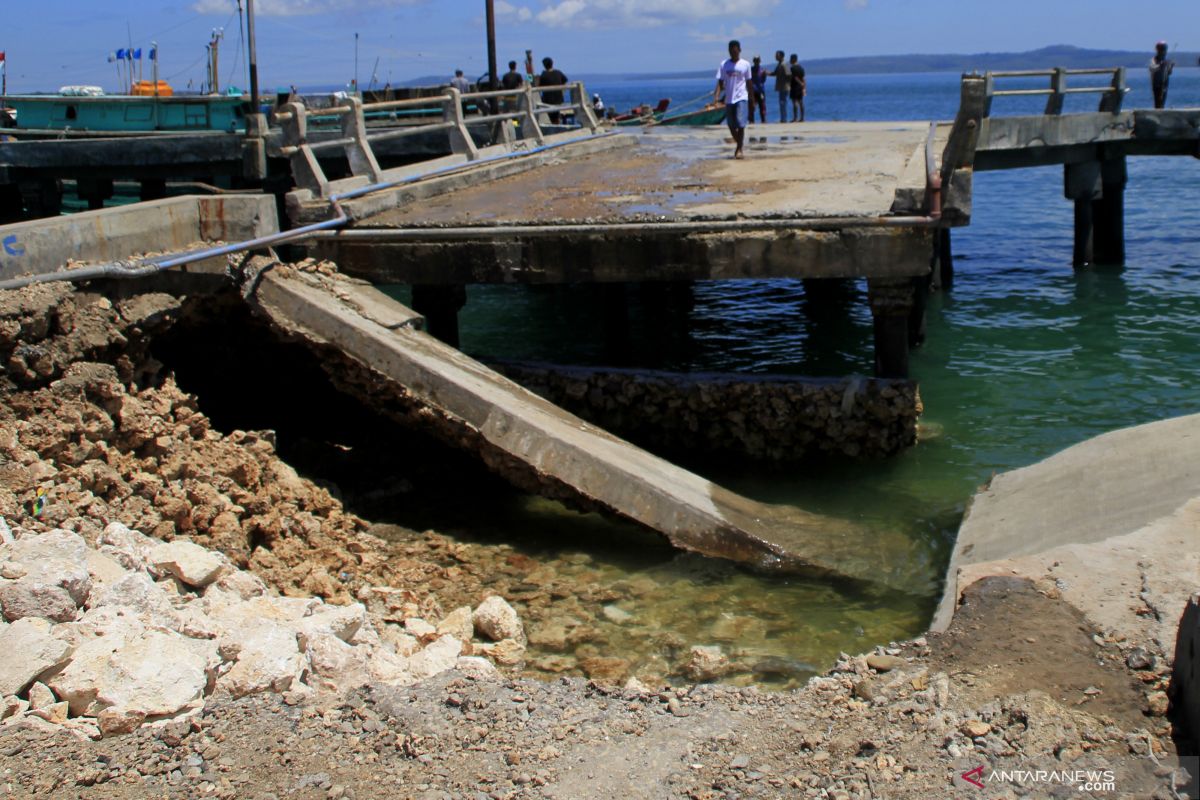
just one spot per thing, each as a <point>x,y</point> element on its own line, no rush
<point>975,112</point>
<point>498,108</point>
<point>1056,93</point>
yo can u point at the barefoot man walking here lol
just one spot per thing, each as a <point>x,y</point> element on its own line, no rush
<point>732,78</point>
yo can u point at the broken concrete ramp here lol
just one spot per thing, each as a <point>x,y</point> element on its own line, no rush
<point>373,347</point>
<point>1112,494</point>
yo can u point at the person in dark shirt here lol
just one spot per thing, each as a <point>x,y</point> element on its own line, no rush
<point>1161,68</point>
<point>758,89</point>
<point>509,81</point>
<point>799,89</point>
<point>552,77</point>
<point>512,79</point>
<point>783,84</point>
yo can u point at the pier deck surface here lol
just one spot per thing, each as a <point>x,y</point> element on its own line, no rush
<point>811,170</point>
<point>813,200</point>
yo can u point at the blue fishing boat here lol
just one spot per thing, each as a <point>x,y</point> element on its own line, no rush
<point>100,113</point>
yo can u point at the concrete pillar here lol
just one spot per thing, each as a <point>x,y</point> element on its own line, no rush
<point>614,299</point>
<point>12,207</point>
<point>153,188</point>
<point>42,198</point>
<point>943,271</point>
<point>1108,213</point>
<point>439,305</point>
<point>891,302</point>
<point>828,296</point>
<point>1083,253</point>
<point>94,190</point>
<point>916,317</point>
<point>1082,184</point>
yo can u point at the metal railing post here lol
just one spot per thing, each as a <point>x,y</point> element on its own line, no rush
<point>461,142</point>
<point>1058,86</point>
<point>530,129</point>
<point>306,171</point>
<point>1111,100</point>
<point>358,149</point>
<point>580,99</point>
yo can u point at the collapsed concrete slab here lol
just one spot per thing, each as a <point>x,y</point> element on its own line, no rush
<point>373,347</point>
<point>1113,523</point>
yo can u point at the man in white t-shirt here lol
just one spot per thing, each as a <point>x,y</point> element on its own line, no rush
<point>732,78</point>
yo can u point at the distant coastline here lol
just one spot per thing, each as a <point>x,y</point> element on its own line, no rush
<point>1043,58</point>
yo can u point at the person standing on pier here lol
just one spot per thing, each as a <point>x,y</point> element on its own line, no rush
<point>459,82</point>
<point>1161,68</point>
<point>799,88</point>
<point>552,77</point>
<point>732,79</point>
<point>783,84</point>
<point>510,81</point>
<point>758,90</point>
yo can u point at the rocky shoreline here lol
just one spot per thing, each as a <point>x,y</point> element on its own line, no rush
<point>300,655</point>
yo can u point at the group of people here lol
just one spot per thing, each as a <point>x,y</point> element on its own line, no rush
<point>513,79</point>
<point>744,86</point>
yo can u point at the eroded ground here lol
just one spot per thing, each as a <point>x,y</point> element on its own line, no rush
<point>1020,680</point>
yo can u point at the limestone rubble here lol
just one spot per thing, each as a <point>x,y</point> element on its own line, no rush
<point>150,630</point>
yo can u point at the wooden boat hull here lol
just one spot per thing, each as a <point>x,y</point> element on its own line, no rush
<point>705,116</point>
<point>127,113</point>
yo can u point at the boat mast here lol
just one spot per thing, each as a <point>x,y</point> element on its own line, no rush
<point>214,81</point>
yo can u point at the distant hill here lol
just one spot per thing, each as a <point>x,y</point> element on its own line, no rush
<point>1060,55</point>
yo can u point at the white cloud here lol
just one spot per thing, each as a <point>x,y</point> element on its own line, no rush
<point>643,13</point>
<point>744,31</point>
<point>508,10</point>
<point>296,8</point>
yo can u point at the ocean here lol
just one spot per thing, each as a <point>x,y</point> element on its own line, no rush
<point>1025,356</point>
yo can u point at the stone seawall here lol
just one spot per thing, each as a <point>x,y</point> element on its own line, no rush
<point>756,417</point>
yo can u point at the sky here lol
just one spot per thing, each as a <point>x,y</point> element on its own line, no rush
<point>51,43</point>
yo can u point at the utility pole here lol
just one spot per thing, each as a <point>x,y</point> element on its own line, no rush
<point>491,45</point>
<point>254,101</point>
<point>356,61</point>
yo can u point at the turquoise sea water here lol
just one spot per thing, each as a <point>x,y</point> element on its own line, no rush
<point>1025,356</point>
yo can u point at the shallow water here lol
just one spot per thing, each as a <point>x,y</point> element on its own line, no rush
<point>1024,357</point>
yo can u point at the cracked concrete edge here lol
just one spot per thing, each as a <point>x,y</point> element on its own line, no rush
<point>1088,503</point>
